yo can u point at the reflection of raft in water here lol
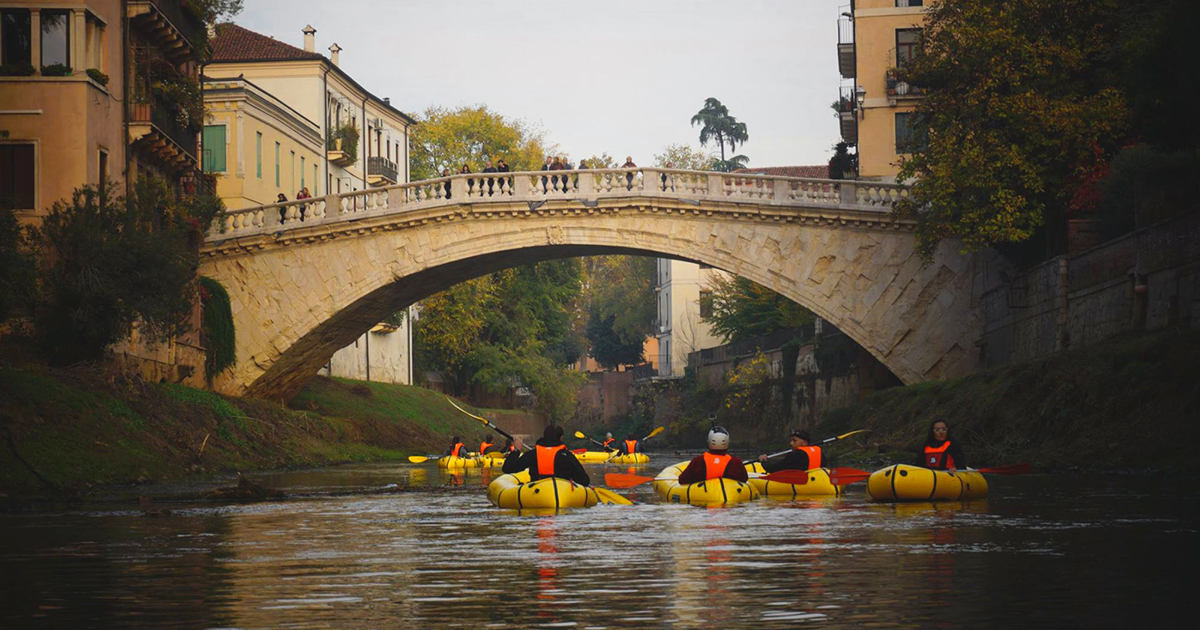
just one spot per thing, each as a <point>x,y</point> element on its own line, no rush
<point>913,483</point>
<point>516,491</point>
<point>630,458</point>
<point>818,484</point>
<point>710,492</point>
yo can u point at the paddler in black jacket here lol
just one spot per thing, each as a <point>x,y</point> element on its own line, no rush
<point>940,452</point>
<point>457,448</point>
<point>801,457</point>
<point>628,446</point>
<point>548,458</point>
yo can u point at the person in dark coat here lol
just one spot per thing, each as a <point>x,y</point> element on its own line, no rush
<point>940,452</point>
<point>548,458</point>
<point>716,463</point>
<point>801,457</point>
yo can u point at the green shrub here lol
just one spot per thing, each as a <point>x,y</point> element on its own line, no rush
<point>56,70</point>
<point>217,331</point>
<point>97,76</point>
<point>17,270</point>
<point>17,70</point>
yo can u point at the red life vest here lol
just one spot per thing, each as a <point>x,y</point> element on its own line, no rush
<point>714,465</point>
<point>814,456</point>
<point>457,447</point>
<point>631,445</point>
<point>484,446</point>
<point>938,458</point>
<point>545,459</point>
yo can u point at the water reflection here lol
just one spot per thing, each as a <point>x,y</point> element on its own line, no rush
<point>1041,552</point>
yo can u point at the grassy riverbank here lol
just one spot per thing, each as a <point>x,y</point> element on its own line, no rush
<point>1129,403</point>
<point>67,431</point>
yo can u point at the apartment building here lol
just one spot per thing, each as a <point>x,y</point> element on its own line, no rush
<point>876,39</point>
<point>678,327</point>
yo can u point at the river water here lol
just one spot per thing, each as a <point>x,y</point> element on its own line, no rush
<point>1043,551</point>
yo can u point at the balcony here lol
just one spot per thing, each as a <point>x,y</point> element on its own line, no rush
<point>199,184</point>
<point>846,53</point>
<point>899,87</point>
<point>155,130</point>
<point>380,171</point>
<point>166,24</point>
<point>847,112</point>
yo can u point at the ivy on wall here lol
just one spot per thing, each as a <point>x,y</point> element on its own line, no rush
<point>217,330</point>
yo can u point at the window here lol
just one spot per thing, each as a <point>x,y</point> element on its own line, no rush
<point>302,171</point>
<point>316,189</point>
<point>214,148</point>
<point>909,3</point>
<point>102,169</point>
<point>94,43</point>
<point>277,165</point>
<point>907,41</point>
<point>15,35</point>
<point>17,176</point>
<point>258,154</point>
<point>56,37</point>
<point>908,136</point>
<point>706,304</point>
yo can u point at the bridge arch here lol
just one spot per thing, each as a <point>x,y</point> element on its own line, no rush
<point>301,290</point>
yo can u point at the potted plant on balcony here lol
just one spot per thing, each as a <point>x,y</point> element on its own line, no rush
<point>17,70</point>
<point>56,70</point>
<point>182,95</point>
<point>344,139</point>
<point>890,78</point>
<point>96,75</point>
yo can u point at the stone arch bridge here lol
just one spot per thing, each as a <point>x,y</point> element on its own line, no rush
<point>306,278</point>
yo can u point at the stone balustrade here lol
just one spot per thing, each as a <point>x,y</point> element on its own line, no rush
<point>586,186</point>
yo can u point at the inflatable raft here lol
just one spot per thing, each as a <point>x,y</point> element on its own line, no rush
<point>470,462</point>
<point>710,492</point>
<point>634,458</point>
<point>913,483</point>
<point>592,457</point>
<point>517,492</point>
<point>818,484</point>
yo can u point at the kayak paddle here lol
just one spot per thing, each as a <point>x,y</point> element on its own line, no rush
<point>623,480</point>
<point>843,476</point>
<point>580,435</point>
<point>486,422</point>
<point>825,441</point>
<point>420,459</point>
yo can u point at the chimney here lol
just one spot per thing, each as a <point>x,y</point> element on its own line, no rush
<point>310,38</point>
<point>333,53</point>
<point>387,100</point>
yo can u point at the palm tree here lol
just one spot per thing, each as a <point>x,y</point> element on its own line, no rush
<point>716,124</point>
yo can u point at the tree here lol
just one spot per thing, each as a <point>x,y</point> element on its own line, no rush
<point>17,270</point>
<point>447,139</point>
<point>717,124</point>
<point>1018,95</point>
<point>842,161</point>
<point>684,157</point>
<point>742,309</point>
<point>620,307</point>
<point>112,262</point>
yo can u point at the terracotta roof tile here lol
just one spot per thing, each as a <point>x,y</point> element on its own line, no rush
<point>234,43</point>
<point>817,172</point>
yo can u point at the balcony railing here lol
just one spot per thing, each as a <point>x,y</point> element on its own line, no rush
<point>169,24</point>
<point>165,118</point>
<point>199,184</point>
<point>847,110</point>
<point>380,169</point>
<point>846,53</point>
<point>897,84</point>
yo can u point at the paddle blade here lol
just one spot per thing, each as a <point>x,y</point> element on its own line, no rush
<point>846,476</point>
<point>579,451</point>
<point>1015,469</point>
<point>843,436</point>
<point>580,435</point>
<point>794,477</point>
<point>417,459</point>
<point>655,432</point>
<point>622,480</point>
<point>609,497</point>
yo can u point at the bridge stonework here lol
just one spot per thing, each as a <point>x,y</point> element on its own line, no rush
<point>302,288</point>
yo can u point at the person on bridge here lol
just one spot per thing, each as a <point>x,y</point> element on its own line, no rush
<point>940,452</point>
<point>608,439</point>
<point>486,445</point>
<point>548,458</point>
<point>629,176</point>
<point>716,463</point>
<point>446,173</point>
<point>491,182</point>
<point>457,448</point>
<point>801,457</point>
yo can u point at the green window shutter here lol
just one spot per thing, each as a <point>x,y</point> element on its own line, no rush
<point>214,149</point>
<point>258,154</point>
<point>277,165</point>
<point>302,171</point>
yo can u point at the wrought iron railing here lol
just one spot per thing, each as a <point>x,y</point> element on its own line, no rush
<point>379,165</point>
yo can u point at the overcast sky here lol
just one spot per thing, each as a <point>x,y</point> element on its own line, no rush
<point>608,75</point>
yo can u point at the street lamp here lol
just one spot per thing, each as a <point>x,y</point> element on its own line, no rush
<point>860,97</point>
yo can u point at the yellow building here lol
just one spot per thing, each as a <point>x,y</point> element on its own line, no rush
<point>257,145</point>
<point>876,38</point>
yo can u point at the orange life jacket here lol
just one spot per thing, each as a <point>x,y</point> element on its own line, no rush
<point>457,447</point>
<point>484,446</point>
<point>545,459</point>
<point>511,448</point>
<point>714,465</point>
<point>608,441</point>
<point>631,445</point>
<point>814,456</point>
<point>938,458</point>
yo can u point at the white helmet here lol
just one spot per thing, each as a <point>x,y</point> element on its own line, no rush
<point>718,439</point>
<point>608,436</point>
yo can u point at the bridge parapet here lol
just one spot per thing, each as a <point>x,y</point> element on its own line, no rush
<point>587,186</point>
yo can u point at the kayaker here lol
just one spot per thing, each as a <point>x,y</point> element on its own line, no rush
<point>486,445</point>
<point>508,446</point>
<point>801,457</point>
<point>716,463</point>
<point>457,448</point>
<point>940,451</point>
<point>608,439</point>
<point>548,458</point>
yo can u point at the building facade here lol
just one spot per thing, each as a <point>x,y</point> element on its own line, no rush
<point>876,39</point>
<point>679,327</point>
<point>282,119</point>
